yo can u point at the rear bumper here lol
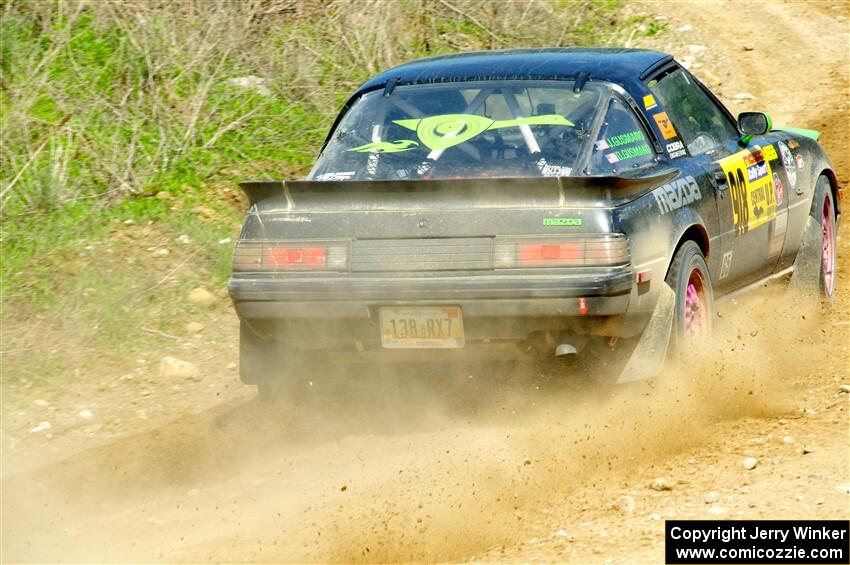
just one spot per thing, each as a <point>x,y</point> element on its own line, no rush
<point>341,295</point>
<point>324,311</point>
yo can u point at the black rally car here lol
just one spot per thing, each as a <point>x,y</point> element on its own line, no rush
<point>476,202</point>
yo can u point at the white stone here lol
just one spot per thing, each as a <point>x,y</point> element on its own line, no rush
<point>201,297</point>
<point>194,327</point>
<point>626,504</point>
<point>42,426</point>
<point>85,414</point>
<point>711,497</point>
<point>660,484</point>
<point>750,463</point>
<point>717,510</point>
<point>173,368</point>
<point>251,82</point>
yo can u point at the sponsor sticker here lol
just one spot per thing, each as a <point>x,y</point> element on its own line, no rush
<point>677,193</point>
<point>789,164</point>
<point>750,180</point>
<point>770,153</point>
<point>780,226</point>
<point>649,102</point>
<point>757,171</point>
<point>346,175</point>
<point>664,125</point>
<point>568,222</point>
<point>778,189</point>
<point>675,149</point>
<point>601,145</point>
<point>555,171</point>
<point>725,265</point>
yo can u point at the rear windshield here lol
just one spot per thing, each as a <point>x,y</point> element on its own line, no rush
<point>462,130</point>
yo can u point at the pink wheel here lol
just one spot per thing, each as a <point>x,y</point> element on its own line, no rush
<point>697,314</point>
<point>827,223</point>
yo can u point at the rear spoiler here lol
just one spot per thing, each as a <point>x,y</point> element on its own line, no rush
<point>532,192</point>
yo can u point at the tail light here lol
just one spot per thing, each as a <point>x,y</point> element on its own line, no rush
<point>586,251</point>
<point>291,256</point>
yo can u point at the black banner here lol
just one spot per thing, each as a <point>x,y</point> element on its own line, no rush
<point>757,541</point>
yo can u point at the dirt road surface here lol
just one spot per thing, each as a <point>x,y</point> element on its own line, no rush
<point>496,463</point>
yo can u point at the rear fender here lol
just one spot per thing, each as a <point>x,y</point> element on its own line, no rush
<point>687,225</point>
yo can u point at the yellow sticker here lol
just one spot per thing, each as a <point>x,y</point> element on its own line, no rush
<point>665,125</point>
<point>770,153</point>
<point>649,102</point>
<point>750,180</point>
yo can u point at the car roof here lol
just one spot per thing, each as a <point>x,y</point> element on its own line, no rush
<point>621,66</point>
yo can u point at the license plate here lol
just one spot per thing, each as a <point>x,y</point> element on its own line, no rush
<point>421,327</point>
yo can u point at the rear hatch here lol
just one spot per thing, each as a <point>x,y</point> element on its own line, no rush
<point>434,225</point>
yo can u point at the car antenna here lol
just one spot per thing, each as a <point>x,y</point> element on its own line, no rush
<point>580,80</point>
<point>391,84</point>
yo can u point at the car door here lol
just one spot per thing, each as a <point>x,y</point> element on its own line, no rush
<point>751,220</point>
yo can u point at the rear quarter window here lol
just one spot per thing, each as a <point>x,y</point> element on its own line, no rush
<point>622,143</point>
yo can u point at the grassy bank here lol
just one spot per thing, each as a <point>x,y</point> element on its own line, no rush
<point>139,111</point>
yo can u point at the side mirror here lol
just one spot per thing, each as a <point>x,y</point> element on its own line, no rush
<point>754,123</point>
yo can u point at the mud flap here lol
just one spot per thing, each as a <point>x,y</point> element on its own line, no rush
<point>806,278</point>
<point>648,358</point>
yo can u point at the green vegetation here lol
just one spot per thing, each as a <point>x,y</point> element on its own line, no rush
<point>145,111</point>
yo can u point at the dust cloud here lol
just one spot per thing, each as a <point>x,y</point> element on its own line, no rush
<point>434,463</point>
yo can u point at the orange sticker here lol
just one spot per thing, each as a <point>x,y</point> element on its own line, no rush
<point>665,125</point>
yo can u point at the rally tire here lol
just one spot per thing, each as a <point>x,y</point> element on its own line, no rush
<point>694,310</point>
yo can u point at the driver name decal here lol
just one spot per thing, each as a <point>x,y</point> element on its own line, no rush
<point>675,194</point>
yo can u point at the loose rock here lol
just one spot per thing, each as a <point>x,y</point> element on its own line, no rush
<point>717,510</point>
<point>660,484</point>
<point>201,297</point>
<point>194,327</point>
<point>844,388</point>
<point>626,504</point>
<point>743,96</point>
<point>161,253</point>
<point>750,463</point>
<point>711,497</point>
<point>42,426</point>
<point>560,533</point>
<point>85,414</point>
<point>173,368</point>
